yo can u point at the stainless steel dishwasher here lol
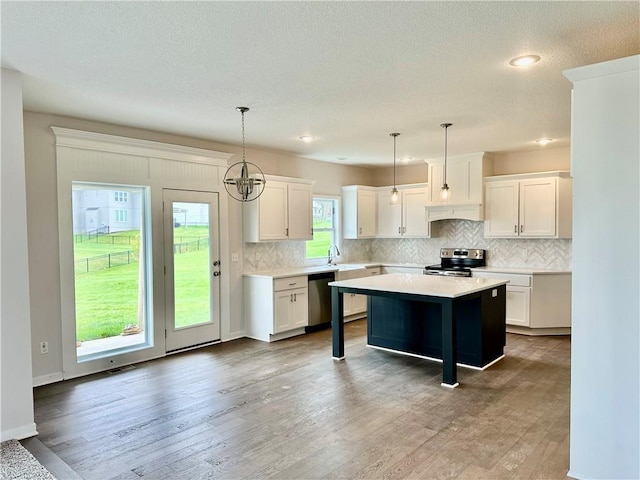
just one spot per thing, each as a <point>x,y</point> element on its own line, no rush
<point>320,301</point>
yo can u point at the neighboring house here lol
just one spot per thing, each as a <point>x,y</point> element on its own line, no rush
<point>97,210</point>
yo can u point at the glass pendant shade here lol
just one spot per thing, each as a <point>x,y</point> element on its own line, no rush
<point>394,195</point>
<point>244,181</point>
<point>445,193</point>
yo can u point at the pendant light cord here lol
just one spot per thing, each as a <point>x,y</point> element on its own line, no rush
<point>243,154</point>
<point>446,128</point>
<point>394,135</point>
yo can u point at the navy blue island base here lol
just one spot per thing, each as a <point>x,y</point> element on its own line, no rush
<point>467,329</point>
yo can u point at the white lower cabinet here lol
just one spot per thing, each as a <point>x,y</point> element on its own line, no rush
<point>290,310</point>
<point>355,306</point>
<point>518,305</point>
<point>537,304</point>
<point>275,308</point>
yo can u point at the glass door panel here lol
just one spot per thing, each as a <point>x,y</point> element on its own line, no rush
<point>192,285</point>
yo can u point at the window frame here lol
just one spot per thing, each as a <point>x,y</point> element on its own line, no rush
<point>337,228</point>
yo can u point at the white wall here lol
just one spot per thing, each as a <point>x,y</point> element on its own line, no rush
<point>605,359</point>
<point>16,394</point>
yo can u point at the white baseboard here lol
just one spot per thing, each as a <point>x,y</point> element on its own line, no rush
<point>234,336</point>
<point>47,379</point>
<point>19,433</point>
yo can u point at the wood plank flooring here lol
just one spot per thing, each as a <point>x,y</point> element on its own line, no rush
<point>286,410</point>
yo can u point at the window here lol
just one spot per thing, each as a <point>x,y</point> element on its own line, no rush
<point>325,231</point>
<point>121,197</point>
<point>110,271</point>
<point>121,216</point>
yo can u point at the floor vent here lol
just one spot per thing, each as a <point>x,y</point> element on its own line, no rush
<point>121,369</point>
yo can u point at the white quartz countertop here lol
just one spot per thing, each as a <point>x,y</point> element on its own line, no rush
<point>522,270</point>
<point>449,287</point>
<point>341,267</point>
<point>292,272</point>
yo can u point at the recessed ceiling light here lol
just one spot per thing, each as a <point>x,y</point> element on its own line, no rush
<point>307,138</point>
<point>524,61</point>
<point>544,141</point>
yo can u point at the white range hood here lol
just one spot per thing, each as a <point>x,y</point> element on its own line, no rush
<point>465,175</point>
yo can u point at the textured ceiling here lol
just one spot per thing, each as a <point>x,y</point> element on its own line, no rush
<point>347,72</point>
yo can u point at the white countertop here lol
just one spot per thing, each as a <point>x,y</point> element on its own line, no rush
<point>340,267</point>
<point>449,287</point>
<point>522,270</point>
<point>292,272</point>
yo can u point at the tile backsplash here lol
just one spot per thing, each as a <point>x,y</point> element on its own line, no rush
<point>501,252</point>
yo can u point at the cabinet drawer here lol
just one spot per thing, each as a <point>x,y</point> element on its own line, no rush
<point>289,282</point>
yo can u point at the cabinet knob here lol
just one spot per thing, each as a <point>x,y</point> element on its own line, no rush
<point>216,274</point>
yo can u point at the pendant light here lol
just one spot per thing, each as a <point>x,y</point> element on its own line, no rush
<point>445,193</point>
<point>244,181</point>
<point>394,190</point>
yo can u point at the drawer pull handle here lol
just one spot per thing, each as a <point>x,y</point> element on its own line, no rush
<point>292,284</point>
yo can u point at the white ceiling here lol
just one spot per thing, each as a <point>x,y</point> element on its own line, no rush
<point>347,72</point>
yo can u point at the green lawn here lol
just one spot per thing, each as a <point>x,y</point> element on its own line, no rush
<point>107,300</point>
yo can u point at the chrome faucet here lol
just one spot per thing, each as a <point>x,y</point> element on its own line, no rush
<point>329,257</point>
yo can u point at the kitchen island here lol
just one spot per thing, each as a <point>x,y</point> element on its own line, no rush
<point>434,317</point>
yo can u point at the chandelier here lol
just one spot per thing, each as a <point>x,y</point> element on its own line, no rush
<point>244,181</point>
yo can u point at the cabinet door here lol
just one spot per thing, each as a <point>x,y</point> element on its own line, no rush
<point>300,208</point>
<point>518,305</point>
<point>282,311</point>
<point>273,211</point>
<point>538,208</point>
<point>389,215</point>
<point>414,216</point>
<point>366,213</point>
<point>501,209</point>
<point>300,308</point>
<point>436,179</point>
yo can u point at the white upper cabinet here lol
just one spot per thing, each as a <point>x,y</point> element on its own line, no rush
<point>300,208</point>
<point>406,217</point>
<point>359,211</point>
<point>528,205</point>
<point>465,179</point>
<point>284,211</point>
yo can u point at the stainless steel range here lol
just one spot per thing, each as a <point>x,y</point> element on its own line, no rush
<point>457,262</point>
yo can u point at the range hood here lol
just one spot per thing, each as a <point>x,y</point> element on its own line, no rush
<point>465,175</point>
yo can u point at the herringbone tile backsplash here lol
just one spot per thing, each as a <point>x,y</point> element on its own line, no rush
<point>501,252</point>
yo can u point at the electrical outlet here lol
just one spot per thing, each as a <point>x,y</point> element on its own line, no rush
<point>525,253</point>
<point>234,257</point>
<point>44,347</point>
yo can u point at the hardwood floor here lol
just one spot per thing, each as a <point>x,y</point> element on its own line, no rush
<point>248,409</point>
